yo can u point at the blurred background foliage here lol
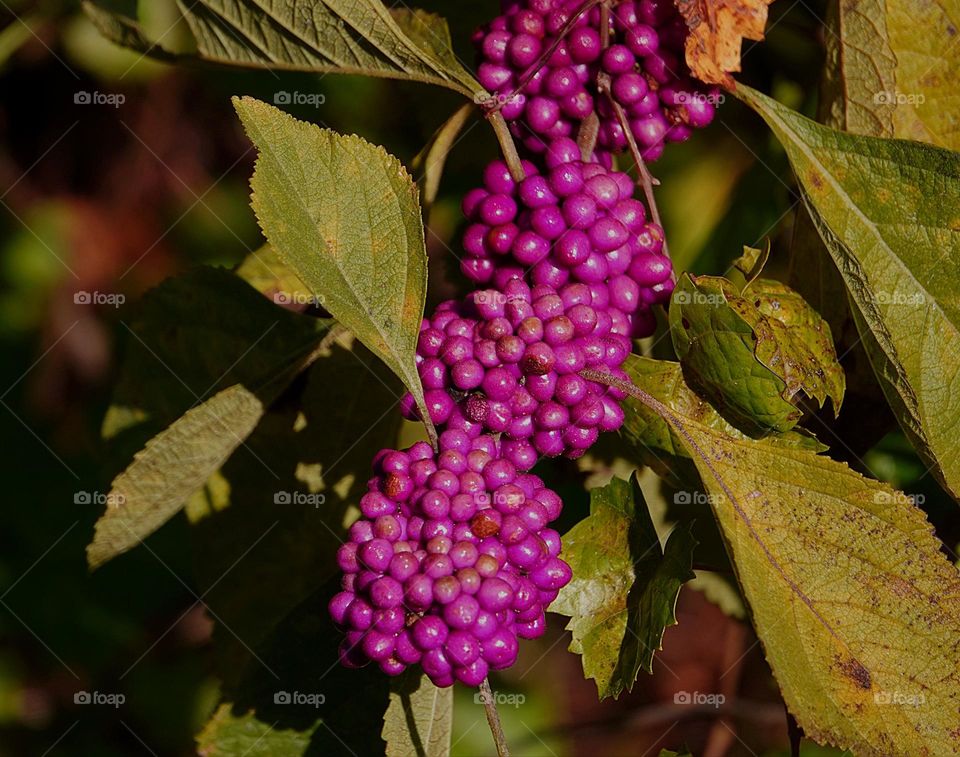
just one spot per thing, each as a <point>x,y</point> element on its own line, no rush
<point>113,200</point>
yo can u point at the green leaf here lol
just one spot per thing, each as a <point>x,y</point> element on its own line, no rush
<point>887,211</point>
<point>247,351</point>
<point>172,466</point>
<point>419,718</point>
<point>751,354</point>
<point>624,588</point>
<point>854,601</point>
<point>345,216</point>
<point>892,65</point>
<point>332,36</point>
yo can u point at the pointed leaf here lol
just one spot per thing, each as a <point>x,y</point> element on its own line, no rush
<point>207,355</point>
<point>170,468</point>
<point>855,603</point>
<point>624,588</point>
<point>345,216</point>
<point>430,161</point>
<point>333,36</point>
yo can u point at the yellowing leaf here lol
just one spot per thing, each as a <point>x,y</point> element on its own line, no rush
<point>717,30</point>
<point>857,607</point>
<point>892,69</point>
<point>888,213</point>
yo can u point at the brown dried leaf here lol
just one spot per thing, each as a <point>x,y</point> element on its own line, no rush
<point>717,29</point>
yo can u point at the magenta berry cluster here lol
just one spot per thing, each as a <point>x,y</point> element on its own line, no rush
<point>451,562</point>
<point>453,559</point>
<point>509,357</point>
<point>576,222</point>
<point>513,356</point>
<point>642,64</point>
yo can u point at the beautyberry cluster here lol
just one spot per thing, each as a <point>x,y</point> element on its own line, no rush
<point>642,65</point>
<point>451,562</point>
<point>577,222</point>
<point>512,357</point>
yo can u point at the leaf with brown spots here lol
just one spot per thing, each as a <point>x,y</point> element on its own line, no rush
<point>857,607</point>
<point>887,211</point>
<point>717,30</point>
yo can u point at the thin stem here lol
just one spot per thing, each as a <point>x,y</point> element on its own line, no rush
<point>507,145</point>
<point>605,26</point>
<point>493,719</point>
<point>647,180</point>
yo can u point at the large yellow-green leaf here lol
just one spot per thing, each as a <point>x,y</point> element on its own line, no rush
<point>857,607</point>
<point>889,213</point>
<point>892,68</point>
<point>344,215</point>
<point>326,36</point>
<point>624,587</point>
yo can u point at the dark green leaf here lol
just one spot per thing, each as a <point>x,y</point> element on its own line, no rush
<point>209,346</point>
<point>267,527</point>
<point>333,36</point>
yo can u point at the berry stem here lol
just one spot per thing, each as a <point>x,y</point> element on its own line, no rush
<point>507,145</point>
<point>605,26</point>
<point>493,719</point>
<point>647,180</point>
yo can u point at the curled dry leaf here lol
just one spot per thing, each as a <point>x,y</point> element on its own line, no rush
<point>717,29</point>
